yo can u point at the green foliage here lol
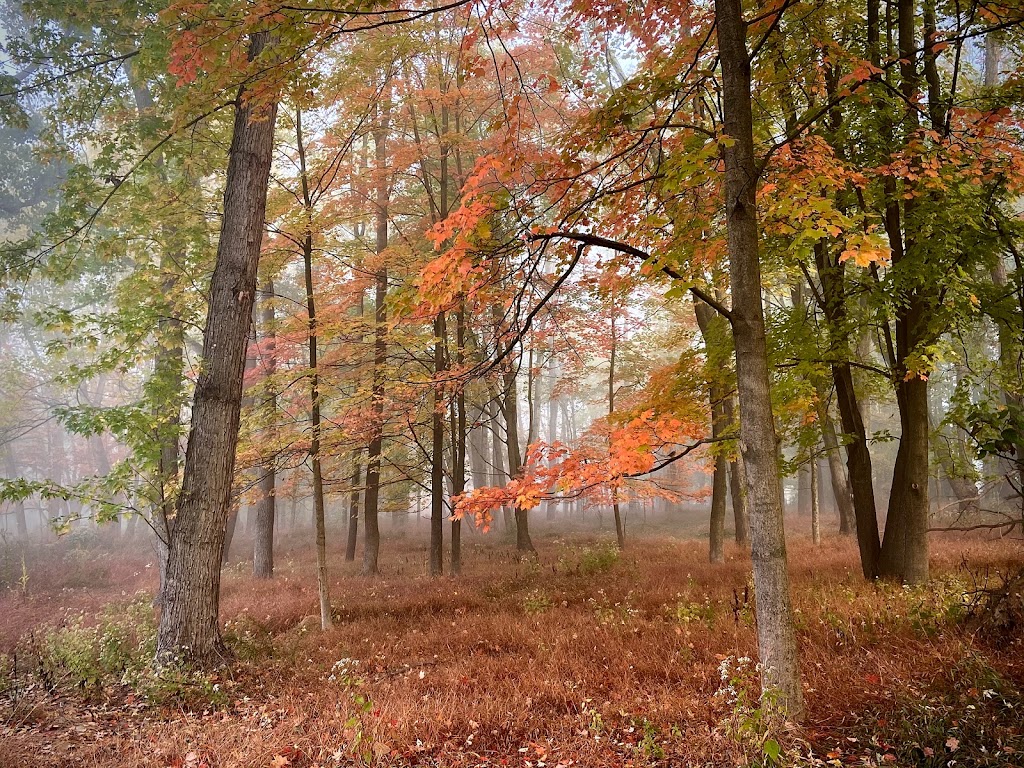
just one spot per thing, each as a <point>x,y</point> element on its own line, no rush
<point>595,560</point>
<point>115,649</point>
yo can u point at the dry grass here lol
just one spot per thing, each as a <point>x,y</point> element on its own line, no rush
<point>516,663</point>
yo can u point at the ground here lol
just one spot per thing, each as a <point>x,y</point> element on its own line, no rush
<point>584,658</point>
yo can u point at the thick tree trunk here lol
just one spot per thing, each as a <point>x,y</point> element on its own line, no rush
<point>780,676</point>
<point>263,541</point>
<point>189,630</point>
<point>904,553</point>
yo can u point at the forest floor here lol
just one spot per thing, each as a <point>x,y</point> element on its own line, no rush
<point>584,658</point>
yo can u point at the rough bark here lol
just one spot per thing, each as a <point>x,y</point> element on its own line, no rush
<point>780,677</point>
<point>189,628</point>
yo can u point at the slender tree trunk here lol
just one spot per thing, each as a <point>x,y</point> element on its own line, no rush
<point>837,476</point>
<point>353,509</point>
<point>737,484</point>
<point>266,511</point>
<point>815,507</point>
<point>313,332</point>
<point>515,462</point>
<point>437,454</point>
<point>371,530</point>
<point>780,677</point>
<point>620,533</point>
<point>858,457</point>
<point>459,440</point>
<point>712,332</point>
<point>189,628</point>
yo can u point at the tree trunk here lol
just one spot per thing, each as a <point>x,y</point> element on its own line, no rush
<point>371,497</point>
<point>737,484</point>
<point>459,439</point>
<point>710,327</point>
<point>780,677</point>
<point>189,630</point>
<point>815,507</point>
<point>904,553</point>
<point>837,476</point>
<point>437,454</point>
<point>353,509</point>
<point>263,541</point>
<point>515,462</point>
<point>620,533</point>
<point>858,457</point>
<point>312,334</point>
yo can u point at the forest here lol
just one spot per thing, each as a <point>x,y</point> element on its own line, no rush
<point>537,383</point>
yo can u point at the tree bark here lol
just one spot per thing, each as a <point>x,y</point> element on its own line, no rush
<point>189,630</point>
<point>780,677</point>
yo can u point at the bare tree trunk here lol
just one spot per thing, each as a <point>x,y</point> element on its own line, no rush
<point>515,462</point>
<point>313,332</point>
<point>371,531</point>
<point>815,508</point>
<point>189,628</point>
<point>437,454</point>
<point>263,529</point>
<point>353,509</point>
<point>737,484</point>
<point>780,678</point>
<point>459,435</point>
<point>837,475</point>
<point>712,332</point>
<point>620,533</point>
<point>904,553</point>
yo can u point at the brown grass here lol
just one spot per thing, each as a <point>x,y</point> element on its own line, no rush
<point>513,661</point>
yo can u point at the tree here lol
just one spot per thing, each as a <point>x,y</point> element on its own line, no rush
<point>775,630</point>
<point>189,628</point>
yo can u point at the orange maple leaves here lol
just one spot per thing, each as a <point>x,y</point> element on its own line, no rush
<point>601,466</point>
